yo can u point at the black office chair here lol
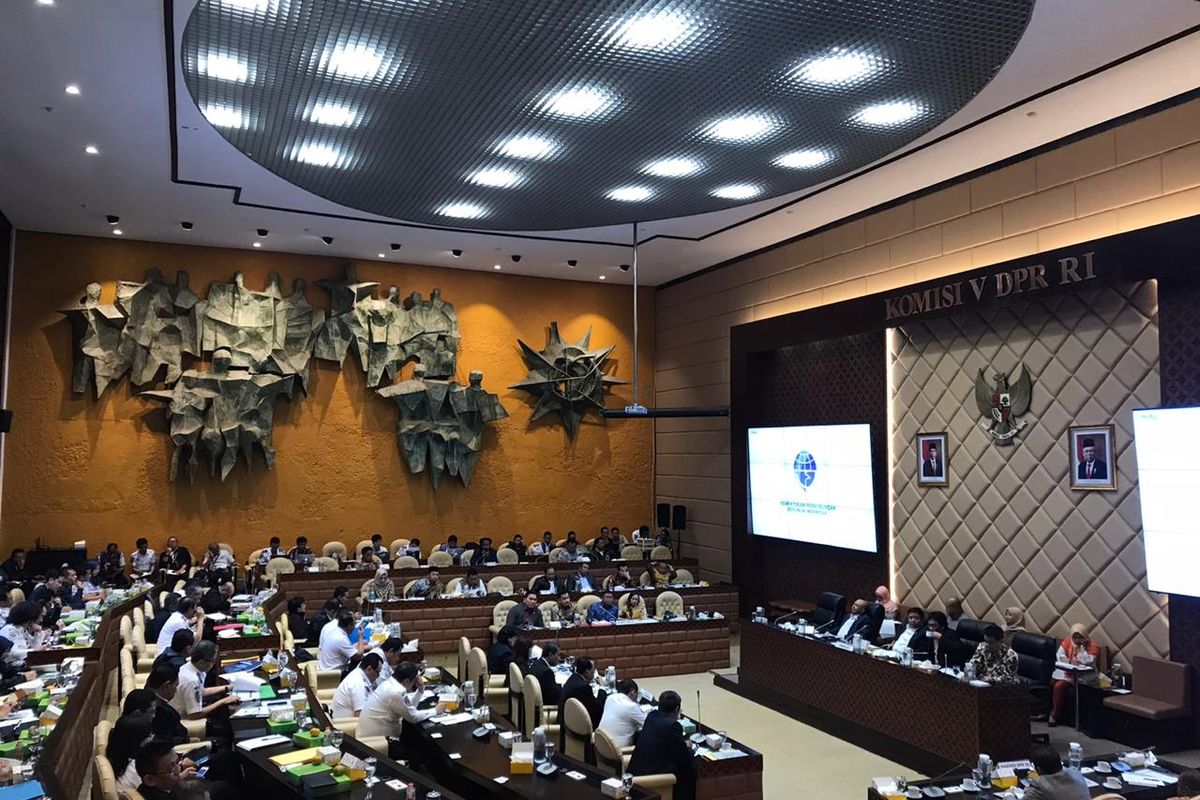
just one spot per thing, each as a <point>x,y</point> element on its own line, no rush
<point>831,608</point>
<point>876,612</point>
<point>1035,665</point>
<point>970,631</point>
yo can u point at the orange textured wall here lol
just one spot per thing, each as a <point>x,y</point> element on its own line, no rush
<point>80,468</point>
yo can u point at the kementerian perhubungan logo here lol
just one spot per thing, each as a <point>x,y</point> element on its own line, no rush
<point>806,468</point>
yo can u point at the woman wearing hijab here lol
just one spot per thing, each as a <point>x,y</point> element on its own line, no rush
<point>1014,623</point>
<point>1078,649</point>
<point>382,586</point>
<point>883,596</point>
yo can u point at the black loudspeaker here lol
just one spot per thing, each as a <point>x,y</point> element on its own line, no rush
<point>679,518</point>
<point>5,420</point>
<point>663,515</point>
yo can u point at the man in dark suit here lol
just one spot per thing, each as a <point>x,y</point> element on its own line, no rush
<point>579,686</point>
<point>485,553</point>
<point>1091,468</point>
<point>547,583</point>
<point>939,643</point>
<point>164,682</point>
<point>857,621</point>
<point>661,748</point>
<point>543,670</point>
<point>931,467</point>
<point>500,655</point>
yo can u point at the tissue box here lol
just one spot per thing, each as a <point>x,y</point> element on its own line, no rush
<point>507,738</point>
<point>306,739</point>
<point>521,760</point>
<point>282,727</point>
<point>611,787</point>
<point>689,727</point>
<point>329,754</point>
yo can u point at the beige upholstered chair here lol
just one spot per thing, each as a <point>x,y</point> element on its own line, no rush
<point>126,630</point>
<point>228,548</point>
<point>464,650</point>
<point>589,543</point>
<point>349,726</point>
<point>452,585</point>
<point>609,757</point>
<point>623,601</point>
<point>488,688</point>
<point>663,784</point>
<point>129,794</point>
<point>684,576</point>
<point>276,567</point>
<point>358,547</point>
<point>466,556</point>
<point>577,731</point>
<point>506,555</point>
<point>554,553</point>
<point>585,603</point>
<point>15,596</point>
<point>407,586</point>
<point>532,580</point>
<point>334,550</point>
<point>500,615</point>
<point>1111,796</point>
<point>406,562</point>
<point>547,609</point>
<point>178,587</point>
<point>103,777</point>
<point>139,617</point>
<point>324,682</point>
<point>365,590</point>
<point>252,561</point>
<point>326,564</point>
<point>440,558</point>
<point>500,585</point>
<point>516,697</point>
<point>631,553</point>
<point>535,712</point>
<point>668,602</point>
<point>660,553</point>
<point>396,544</point>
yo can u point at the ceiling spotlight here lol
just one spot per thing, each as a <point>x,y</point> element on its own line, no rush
<point>737,191</point>
<point>631,194</point>
<point>222,116</point>
<point>515,257</point>
<point>258,244</point>
<point>45,2</point>
<point>262,231</point>
<point>803,159</point>
<point>112,219</point>
<point>381,255</point>
<point>333,114</point>
<point>461,210</point>
<point>187,226</point>
<point>571,262</point>
<point>247,5</point>
<point>837,68</point>
<point>527,147</point>
<point>92,150</point>
<point>579,102</point>
<point>896,112</point>
<point>319,155</point>
<point>602,277</point>
<point>223,67</point>
<point>456,253</point>
<point>496,266</point>
<point>673,167</point>
<point>663,30</point>
<point>327,239</point>
<point>72,89</point>
<point>395,245</point>
<point>744,128</point>
<point>117,231</point>
<point>354,60</point>
<point>499,177</point>
<point>624,268</point>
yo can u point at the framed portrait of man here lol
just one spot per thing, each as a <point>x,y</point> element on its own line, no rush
<point>933,460</point>
<point>1093,459</point>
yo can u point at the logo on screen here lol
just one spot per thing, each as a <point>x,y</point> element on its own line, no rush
<point>806,468</point>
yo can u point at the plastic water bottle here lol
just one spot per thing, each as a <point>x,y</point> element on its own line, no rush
<point>378,617</point>
<point>610,677</point>
<point>372,595</point>
<point>969,671</point>
<point>469,696</point>
<point>1075,755</point>
<point>539,745</point>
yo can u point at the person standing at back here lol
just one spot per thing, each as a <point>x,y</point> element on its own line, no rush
<point>1054,782</point>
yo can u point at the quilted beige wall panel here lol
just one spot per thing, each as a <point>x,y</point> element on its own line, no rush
<point>1008,530</point>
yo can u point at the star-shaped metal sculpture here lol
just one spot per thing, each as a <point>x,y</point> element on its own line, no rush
<point>567,378</point>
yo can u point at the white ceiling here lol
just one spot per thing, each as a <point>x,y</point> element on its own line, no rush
<point>115,51</point>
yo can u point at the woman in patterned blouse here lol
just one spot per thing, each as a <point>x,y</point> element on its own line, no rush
<point>994,661</point>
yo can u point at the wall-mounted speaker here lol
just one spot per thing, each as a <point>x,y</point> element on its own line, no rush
<point>663,515</point>
<point>679,517</point>
<point>5,420</point>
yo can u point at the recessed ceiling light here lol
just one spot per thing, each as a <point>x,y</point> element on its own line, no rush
<point>500,177</point>
<point>72,88</point>
<point>662,30</point>
<point>319,155</point>
<point>836,68</point>
<point>496,266</point>
<point>602,277</point>
<point>381,255</point>
<point>45,2</point>
<point>673,167</point>
<point>258,244</point>
<point>631,194</point>
<point>91,150</point>
<point>744,128</point>
<point>247,5</point>
<point>461,210</point>
<point>803,159</point>
<point>333,114</point>
<point>737,191</point>
<point>578,102</point>
<point>224,116</point>
<point>896,112</point>
<point>527,147</point>
<point>223,67</point>
<point>355,60</point>
<point>117,231</point>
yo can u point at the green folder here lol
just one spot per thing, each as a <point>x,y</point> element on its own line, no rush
<point>266,692</point>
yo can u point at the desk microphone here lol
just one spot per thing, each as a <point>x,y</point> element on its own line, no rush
<point>785,616</point>
<point>819,628</point>
<point>699,724</point>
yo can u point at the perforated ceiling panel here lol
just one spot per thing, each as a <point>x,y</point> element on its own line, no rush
<point>1009,530</point>
<point>550,114</point>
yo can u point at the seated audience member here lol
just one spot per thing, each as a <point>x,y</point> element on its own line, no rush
<point>70,590</point>
<point>382,587</point>
<point>1014,623</point>
<point>604,611</point>
<point>192,698</point>
<point>393,703</point>
<point>413,548</point>
<point>484,553</point>
<point>367,558</point>
<point>635,607</point>
<point>943,647</point>
<point>1054,782</point>
<point>662,575</point>
<point>87,583</point>
<point>169,606</point>
<point>24,630</point>
<point>187,615</point>
<point>162,772</point>
<point>621,579</point>
<point>579,686</point>
<point>664,538</point>
<point>471,586</point>
<point>390,655</point>
<point>379,549</point>
<point>335,650</point>
<point>1077,649</point>
<point>547,583</point>
<point>218,564</point>
<point>216,599</point>
<point>341,598</point>
<point>570,551</point>
<point>111,567</point>
<point>301,554</point>
<point>522,652</point>
<point>1188,785</point>
<point>954,612</point>
<point>46,595</point>
<point>913,631</point>
<point>856,622</point>
<point>167,725</point>
<point>354,689</point>
<point>600,547</point>
<point>623,716</point>
<point>320,619</point>
<point>449,546</point>
<point>517,545</point>
<point>883,596</point>
<point>564,611</point>
<point>14,567</point>
<point>661,748</point>
<point>175,561</point>
<point>430,587</point>
<point>131,730</point>
<point>614,535</point>
<point>994,661</point>
<point>526,614</point>
<point>274,549</point>
<point>180,650</point>
<point>581,579</point>
<point>542,669</point>
<point>500,654</point>
<point>11,674</point>
<point>542,548</point>
<point>142,559</point>
<point>192,789</point>
<point>296,623</point>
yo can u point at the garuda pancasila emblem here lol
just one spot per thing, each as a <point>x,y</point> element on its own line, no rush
<point>1002,405</point>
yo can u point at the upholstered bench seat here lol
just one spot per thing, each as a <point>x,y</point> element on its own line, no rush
<point>1146,707</point>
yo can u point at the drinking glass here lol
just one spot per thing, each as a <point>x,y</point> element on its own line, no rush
<point>550,751</point>
<point>335,738</point>
<point>627,783</point>
<point>371,764</point>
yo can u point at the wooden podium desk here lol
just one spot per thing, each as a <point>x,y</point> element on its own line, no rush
<point>929,722</point>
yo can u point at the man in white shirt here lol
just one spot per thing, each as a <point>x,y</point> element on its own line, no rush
<point>191,697</point>
<point>916,621</point>
<point>354,689</point>
<point>623,716</point>
<point>543,547</point>
<point>335,650</point>
<point>188,615</point>
<point>389,653</point>
<point>856,621</point>
<point>273,550</point>
<point>581,581</point>
<point>143,559</point>
<point>393,703</point>
<point>471,586</point>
